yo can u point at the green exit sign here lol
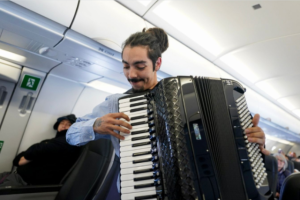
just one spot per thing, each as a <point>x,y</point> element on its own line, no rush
<point>30,82</point>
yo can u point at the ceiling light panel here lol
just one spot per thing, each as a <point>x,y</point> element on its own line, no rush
<point>107,20</point>
<point>56,10</point>
<point>138,6</point>
<point>186,61</point>
<point>221,26</point>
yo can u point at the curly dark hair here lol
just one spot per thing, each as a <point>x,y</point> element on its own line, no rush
<point>155,39</point>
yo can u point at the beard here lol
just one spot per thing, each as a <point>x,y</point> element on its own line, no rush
<point>135,81</point>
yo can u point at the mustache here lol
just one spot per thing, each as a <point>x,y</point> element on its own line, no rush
<point>135,80</point>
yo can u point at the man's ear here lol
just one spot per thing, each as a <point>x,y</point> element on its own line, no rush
<point>158,64</point>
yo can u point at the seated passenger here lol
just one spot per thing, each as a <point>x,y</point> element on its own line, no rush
<point>282,172</point>
<point>46,162</point>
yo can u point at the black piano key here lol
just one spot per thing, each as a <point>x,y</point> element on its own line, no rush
<point>138,104</point>
<point>138,109</point>
<point>140,138</point>
<point>140,144</point>
<point>141,160</point>
<point>139,117</point>
<point>143,185</point>
<point>151,123</point>
<point>145,197</point>
<point>142,171</point>
<point>139,132</point>
<point>141,153</point>
<point>137,99</point>
<point>150,117</point>
<point>152,130</point>
<point>139,123</point>
<point>143,178</point>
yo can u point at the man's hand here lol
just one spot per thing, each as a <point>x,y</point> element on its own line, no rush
<point>110,122</point>
<point>256,135</point>
<point>23,161</point>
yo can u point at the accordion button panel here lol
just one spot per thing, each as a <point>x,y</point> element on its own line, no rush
<point>258,169</point>
<point>138,154</point>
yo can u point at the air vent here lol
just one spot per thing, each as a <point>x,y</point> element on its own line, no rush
<point>257,6</point>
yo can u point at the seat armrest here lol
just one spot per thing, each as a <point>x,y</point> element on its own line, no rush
<point>29,189</point>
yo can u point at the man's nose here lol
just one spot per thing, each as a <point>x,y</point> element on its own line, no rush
<point>132,73</point>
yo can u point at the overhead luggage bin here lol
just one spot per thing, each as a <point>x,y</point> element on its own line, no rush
<point>56,10</point>
<point>29,25</point>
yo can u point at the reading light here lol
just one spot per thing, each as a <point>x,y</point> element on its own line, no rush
<point>12,56</point>
<point>99,85</point>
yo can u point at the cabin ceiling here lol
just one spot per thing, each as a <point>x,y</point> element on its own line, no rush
<point>259,46</point>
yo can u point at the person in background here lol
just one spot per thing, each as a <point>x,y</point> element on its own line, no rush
<point>282,172</point>
<point>46,162</point>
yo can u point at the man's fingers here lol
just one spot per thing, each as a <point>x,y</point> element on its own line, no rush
<point>122,123</point>
<point>255,120</point>
<point>256,140</point>
<point>116,135</point>
<point>120,115</point>
<point>256,135</point>
<point>119,128</point>
<point>253,130</point>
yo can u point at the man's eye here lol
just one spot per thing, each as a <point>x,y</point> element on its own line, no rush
<point>126,67</point>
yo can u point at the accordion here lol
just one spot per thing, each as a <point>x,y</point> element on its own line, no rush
<point>187,142</point>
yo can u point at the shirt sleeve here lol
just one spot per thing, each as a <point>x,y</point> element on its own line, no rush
<point>82,131</point>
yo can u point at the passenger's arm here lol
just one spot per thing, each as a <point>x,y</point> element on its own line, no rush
<point>256,134</point>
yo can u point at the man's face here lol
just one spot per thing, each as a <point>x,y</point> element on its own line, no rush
<point>64,125</point>
<point>138,68</point>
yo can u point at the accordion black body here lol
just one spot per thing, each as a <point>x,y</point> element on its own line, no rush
<point>200,149</point>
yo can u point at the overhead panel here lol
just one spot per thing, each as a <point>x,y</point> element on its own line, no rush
<point>139,7</point>
<point>213,28</point>
<point>107,22</point>
<point>9,71</point>
<point>56,10</point>
<point>74,73</point>
<point>91,56</point>
<point>29,25</point>
<point>26,58</point>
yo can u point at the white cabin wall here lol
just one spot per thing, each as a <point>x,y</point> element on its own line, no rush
<point>57,98</point>
<point>89,99</point>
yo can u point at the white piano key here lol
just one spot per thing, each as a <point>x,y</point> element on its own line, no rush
<point>130,164</point>
<point>131,159</point>
<point>130,170</point>
<point>139,194</point>
<point>139,127</point>
<point>124,100</point>
<point>145,119</point>
<point>129,153</point>
<point>130,148</point>
<point>125,109</point>
<point>129,142</point>
<point>133,183</point>
<point>127,177</point>
<point>131,189</point>
<point>129,137</point>
<point>137,113</point>
<point>130,103</point>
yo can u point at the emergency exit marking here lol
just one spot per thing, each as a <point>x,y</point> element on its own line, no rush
<point>30,82</point>
<point>1,145</point>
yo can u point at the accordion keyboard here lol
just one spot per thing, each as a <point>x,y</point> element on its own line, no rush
<point>138,154</point>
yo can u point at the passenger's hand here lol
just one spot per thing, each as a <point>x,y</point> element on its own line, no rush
<point>110,122</point>
<point>277,195</point>
<point>23,161</point>
<point>256,135</point>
